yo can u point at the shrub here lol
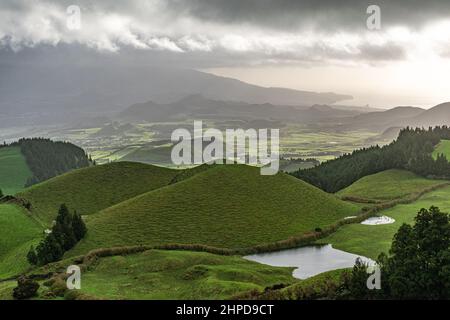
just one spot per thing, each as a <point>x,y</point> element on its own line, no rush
<point>59,287</point>
<point>26,288</point>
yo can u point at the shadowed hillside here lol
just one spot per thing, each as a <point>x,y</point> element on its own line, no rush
<point>92,189</point>
<point>230,206</point>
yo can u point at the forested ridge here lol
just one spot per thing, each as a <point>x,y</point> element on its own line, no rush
<point>411,151</point>
<point>47,159</point>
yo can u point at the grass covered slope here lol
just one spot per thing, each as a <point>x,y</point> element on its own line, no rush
<point>92,189</point>
<point>442,148</point>
<point>388,185</point>
<point>370,241</point>
<point>158,274</point>
<point>228,206</point>
<point>17,233</point>
<point>14,171</point>
<point>6,290</point>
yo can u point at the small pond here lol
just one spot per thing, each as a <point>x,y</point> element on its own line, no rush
<point>310,260</point>
<point>374,221</point>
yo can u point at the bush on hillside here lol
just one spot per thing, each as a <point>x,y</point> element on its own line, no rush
<point>26,288</point>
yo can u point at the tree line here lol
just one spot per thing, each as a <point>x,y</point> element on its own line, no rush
<point>418,265</point>
<point>68,229</point>
<point>47,159</point>
<point>411,151</point>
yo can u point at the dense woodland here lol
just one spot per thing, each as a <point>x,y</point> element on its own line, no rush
<point>47,159</point>
<point>411,151</point>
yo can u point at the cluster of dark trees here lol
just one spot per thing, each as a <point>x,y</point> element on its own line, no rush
<point>66,232</point>
<point>411,151</point>
<point>418,265</point>
<point>47,159</point>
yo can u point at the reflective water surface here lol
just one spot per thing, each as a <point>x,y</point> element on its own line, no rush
<point>310,260</point>
<point>378,220</point>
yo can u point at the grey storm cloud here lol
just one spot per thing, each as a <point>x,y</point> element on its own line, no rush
<point>223,32</point>
<point>324,14</point>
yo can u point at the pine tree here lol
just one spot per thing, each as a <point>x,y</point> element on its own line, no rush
<point>63,216</point>
<point>55,249</point>
<point>63,229</point>
<point>78,226</point>
<point>419,258</point>
<point>49,250</point>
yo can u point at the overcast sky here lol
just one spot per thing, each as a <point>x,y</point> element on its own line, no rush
<point>308,45</point>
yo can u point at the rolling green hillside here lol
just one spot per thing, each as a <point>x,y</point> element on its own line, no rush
<point>230,206</point>
<point>388,185</point>
<point>17,233</point>
<point>6,289</point>
<point>92,189</point>
<point>14,171</point>
<point>370,240</point>
<point>443,148</point>
<point>158,274</point>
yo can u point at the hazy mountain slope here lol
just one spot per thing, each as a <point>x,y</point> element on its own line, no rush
<point>45,94</point>
<point>436,116</point>
<point>381,120</point>
<point>387,136</point>
<point>226,206</point>
<point>92,189</point>
<point>199,107</point>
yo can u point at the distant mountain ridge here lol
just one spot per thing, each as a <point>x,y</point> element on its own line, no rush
<point>37,94</point>
<point>199,107</point>
<point>438,115</point>
<point>402,117</point>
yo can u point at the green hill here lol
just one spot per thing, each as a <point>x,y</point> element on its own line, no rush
<point>95,188</point>
<point>14,171</point>
<point>370,241</point>
<point>229,206</point>
<point>158,274</point>
<point>442,148</point>
<point>17,233</point>
<point>388,185</point>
